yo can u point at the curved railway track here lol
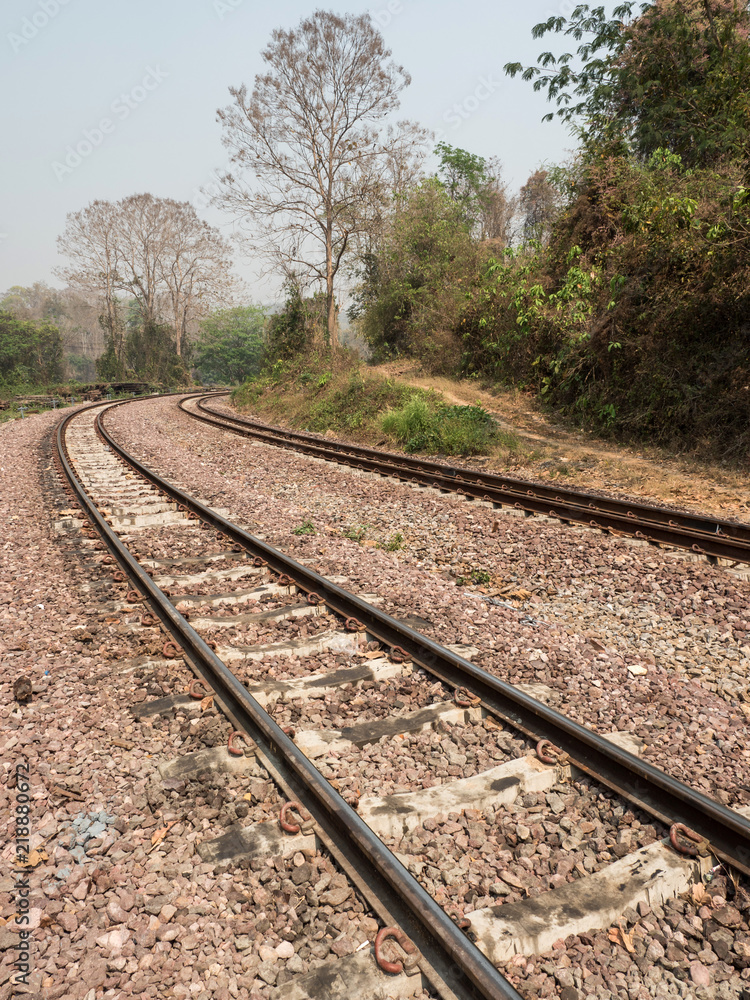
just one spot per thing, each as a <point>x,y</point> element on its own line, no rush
<point>707,536</point>
<point>120,497</point>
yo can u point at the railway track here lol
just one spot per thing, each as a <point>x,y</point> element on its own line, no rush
<point>706,536</point>
<point>206,602</point>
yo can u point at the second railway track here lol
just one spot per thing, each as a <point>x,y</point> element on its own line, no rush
<point>351,645</point>
<point>711,537</point>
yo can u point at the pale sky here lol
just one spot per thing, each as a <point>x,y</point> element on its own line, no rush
<point>135,85</point>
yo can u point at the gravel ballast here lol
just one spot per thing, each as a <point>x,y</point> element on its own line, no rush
<point>616,635</point>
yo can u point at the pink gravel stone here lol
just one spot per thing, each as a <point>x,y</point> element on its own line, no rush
<point>699,974</point>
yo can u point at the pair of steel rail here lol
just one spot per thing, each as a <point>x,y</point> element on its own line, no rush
<point>450,961</point>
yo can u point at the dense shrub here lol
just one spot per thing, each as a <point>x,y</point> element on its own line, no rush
<point>423,424</point>
<point>635,318</point>
<point>30,353</point>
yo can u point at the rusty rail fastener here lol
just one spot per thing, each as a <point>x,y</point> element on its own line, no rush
<point>399,655</point>
<point>171,650</point>
<point>354,625</point>
<point>313,598</point>
<point>464,698</point>
<point>195,693</point>
<point>463,923</point>
<point>307,822</point>
<point>133,597</point>
<point>238,751</point>
<point>557,756</point>
<point>284,580</point>
<point>148,620</point>
<point>691,850</point>
<point>410,964</point>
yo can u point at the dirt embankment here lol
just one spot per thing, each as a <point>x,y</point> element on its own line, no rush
<point>348,403</point>
<point>580,459</point>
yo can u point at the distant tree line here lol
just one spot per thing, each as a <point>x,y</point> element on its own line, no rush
<point>615,285</point>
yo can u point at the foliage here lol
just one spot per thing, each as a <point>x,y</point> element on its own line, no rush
<point>149,353</point>
<point>675,76</point>
<point>474,184</point>
<point>74,315</point>
<point>634,318</point>
<point>422,425</point>
<point>30,353</point>
<point>230,345</point>
<point>290,331</point>
<point>411,292</point>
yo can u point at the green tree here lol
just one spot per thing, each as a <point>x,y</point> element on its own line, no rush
<point>474,183</point>
<point>415,280</point>
<point>676,77</point>
<point>230,344</point>
<point>30,353</point>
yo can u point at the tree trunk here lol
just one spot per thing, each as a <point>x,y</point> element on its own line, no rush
<point>332,325</point>
<point>331,329</point>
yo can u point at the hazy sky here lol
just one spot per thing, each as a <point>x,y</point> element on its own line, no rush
<point>135,86</point>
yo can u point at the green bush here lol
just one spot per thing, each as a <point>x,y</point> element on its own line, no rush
<point>422,425</point>
<point>30,353</point>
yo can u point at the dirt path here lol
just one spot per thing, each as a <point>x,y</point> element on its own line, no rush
<point>555,452</point>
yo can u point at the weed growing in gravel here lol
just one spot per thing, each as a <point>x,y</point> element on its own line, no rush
<point>306,528</point>
<point>476,576</point>
<point>356,534</point>
<point>394,543</point>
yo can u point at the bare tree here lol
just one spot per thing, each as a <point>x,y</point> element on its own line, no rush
<point>154,249</point>
<point>195,268</point>
<point>496,209</point>
<point>144,224</point>
<point>540,204</point>
<point>91,242</point>
<point>313,137</point>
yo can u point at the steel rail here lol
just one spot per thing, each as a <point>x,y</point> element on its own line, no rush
<point>451,960</point>
<point>655,791</point>
<point>711,537</point>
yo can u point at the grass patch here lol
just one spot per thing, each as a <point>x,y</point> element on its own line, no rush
<point>477,577</point>
<point>355,534</point>
<point>342,396</point>
<point>306,528</point>
<point>427,425</point>
<point>394,543</point>
<point>316,394</point>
